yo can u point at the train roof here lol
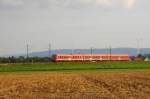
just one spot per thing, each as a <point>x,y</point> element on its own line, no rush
<point>92,54</point>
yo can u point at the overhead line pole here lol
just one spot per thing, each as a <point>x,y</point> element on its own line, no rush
<point>49,50</point>
<point>91,50</point>
<point>110,52</point>
<point>27,53</point>
<point>139,40</point>
<point>91,53</point>
<point>72,51</point>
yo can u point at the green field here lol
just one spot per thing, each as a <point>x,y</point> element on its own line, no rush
<point>75,66</point>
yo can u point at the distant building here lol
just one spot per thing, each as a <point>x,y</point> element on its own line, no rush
<point>132,58</point>
<point>139,58</point>
<point>147,59</point>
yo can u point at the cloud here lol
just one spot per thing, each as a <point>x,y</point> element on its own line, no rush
<point>67,3</point>
<point>129,3</point>
<point>104,2</point>
<point>108,3</point>
<point>11,2</point>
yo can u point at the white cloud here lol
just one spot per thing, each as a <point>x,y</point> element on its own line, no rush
<point>98,2</point>
<point>67,3</point>
<point>107,3</point>
<point>104,2</point>
<point>12,2</point>
<point>129,3</point>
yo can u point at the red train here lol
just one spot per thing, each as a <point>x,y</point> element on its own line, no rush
<point>90,57</point>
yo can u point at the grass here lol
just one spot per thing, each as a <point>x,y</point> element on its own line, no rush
<point>111,66</point>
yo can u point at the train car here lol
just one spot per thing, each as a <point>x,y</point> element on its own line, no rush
<point>90,57</point>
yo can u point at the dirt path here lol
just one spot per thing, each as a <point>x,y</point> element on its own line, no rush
<point>94,85</point>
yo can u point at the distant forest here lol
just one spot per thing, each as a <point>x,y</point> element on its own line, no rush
<point>23,59</point>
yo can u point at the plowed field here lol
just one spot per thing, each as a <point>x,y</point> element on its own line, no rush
<point>92,85</point>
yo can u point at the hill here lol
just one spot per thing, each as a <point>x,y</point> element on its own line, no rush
<point>130,51</point>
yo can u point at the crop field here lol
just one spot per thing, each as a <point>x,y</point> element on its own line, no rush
<point>75,66</point>
<point>110,80</point>
<point>83,85</point>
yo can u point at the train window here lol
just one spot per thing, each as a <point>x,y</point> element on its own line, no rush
<point>74,57</point>
<point>114,56</point>
<point>65,56</point>
<point>96,57</point>
<point>59,56</point>
<point>104,56</point>
<point>85,56</point>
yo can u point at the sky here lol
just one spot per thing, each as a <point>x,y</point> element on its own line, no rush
<point>75,24</point>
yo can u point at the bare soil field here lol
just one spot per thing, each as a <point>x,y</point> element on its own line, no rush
<point>85,85</point>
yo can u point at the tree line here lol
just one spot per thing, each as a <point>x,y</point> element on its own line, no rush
<point>22,59</point>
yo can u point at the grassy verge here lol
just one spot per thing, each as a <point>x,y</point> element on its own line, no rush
<point>108,66</point>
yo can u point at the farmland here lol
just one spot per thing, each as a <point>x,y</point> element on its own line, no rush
<point>109,80</point>
<point>84,85</point>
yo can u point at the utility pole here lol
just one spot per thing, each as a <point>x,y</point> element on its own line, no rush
<point>138,46</point>
<point>27,53</point>
<point>72,51</point>
<point>110,52</point>
<point>91,50</point>
<point>91,54</point>
<point>49,52</point>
